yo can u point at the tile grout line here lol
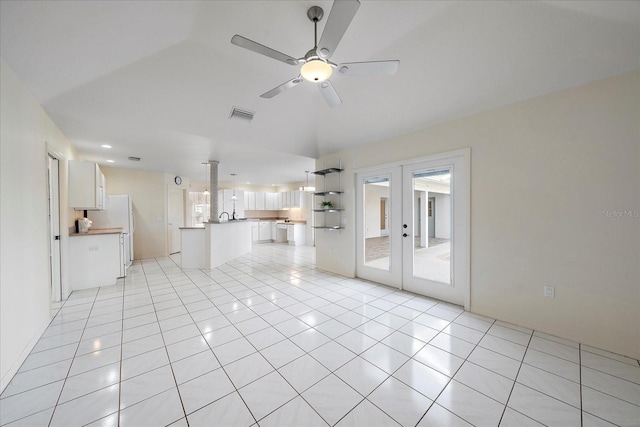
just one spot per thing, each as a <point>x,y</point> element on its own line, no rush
<point>580,377</point>
<point>515,381</point>
<point>124,290</point>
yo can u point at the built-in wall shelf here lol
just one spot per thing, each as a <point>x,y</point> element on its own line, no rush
<point>328,210</point>
<point>328,171</point>
<point>329,218</point>
<point>327,193</point>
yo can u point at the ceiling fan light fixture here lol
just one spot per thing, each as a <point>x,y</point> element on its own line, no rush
<point>316,70</point>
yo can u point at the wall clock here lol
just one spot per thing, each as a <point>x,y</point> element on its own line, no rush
<point>178,180</point>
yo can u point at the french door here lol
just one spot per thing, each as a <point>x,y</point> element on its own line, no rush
<point>426,248</point>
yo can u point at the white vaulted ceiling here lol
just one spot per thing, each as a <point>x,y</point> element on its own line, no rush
<point>157,80</point>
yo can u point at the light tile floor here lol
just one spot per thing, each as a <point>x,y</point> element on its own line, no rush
<point>269,340</point>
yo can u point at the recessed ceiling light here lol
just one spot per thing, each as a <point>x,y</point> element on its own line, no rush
<point>110,161</point>
<point>106,146</point>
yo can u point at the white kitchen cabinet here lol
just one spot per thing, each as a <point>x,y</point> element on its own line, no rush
<point>296,234</point>
<point>255,226</point>
<point>96,260</point>
<point>274,229</point>
<point>271,201</point>
<point>260,200</point>
<point>286,204</point>
<point>250,200</point>
<point>279,201</point>
<point>264,230</point>
<point>296,199</point>
<point>87,186</point>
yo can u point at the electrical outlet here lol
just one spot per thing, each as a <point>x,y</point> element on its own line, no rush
<point>93,248</point>
<point>549,292</point>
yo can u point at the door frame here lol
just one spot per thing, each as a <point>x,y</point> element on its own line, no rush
<point>462,219</point>
<point>54,226</point>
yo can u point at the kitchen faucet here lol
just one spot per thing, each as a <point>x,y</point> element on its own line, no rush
<point>220,216</point>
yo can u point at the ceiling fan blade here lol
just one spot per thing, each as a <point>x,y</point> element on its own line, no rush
<point>263,50</point>
<point>342,12</point>
<point>284,86</point>
<point>329,93</point>
<point>372,68</point>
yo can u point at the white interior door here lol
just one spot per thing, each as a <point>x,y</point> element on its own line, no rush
<point>175,217</point>
<point>54,228</point>
<point>407,257</point>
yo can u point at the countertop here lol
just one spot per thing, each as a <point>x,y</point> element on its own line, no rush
<point>96,231</point>
<point>277,220</point>
<point>280,220</point>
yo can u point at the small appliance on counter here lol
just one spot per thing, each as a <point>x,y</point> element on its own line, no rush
<point>83,225</point>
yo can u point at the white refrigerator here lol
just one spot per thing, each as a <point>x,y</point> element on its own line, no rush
<point>118,213</point>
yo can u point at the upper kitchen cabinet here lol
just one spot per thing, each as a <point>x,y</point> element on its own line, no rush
<point>296,199</point>
<point>271,201</point>
<point>87,186</point>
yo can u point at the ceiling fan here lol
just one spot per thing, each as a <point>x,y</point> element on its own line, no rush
<point>316,66</point>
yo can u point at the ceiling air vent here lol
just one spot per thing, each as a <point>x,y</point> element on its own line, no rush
<point>134,159</point>
<point>240,114</point>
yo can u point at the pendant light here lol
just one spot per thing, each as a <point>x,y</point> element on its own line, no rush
<point>307,188</point>
<point>233,197</point>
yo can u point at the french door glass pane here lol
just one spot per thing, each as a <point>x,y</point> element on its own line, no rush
<point>376,219</point>
<point>432,225</point>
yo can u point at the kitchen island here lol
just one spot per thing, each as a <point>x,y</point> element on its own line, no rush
<point>214,244</point>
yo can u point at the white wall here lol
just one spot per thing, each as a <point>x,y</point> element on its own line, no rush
<point>26,134</point>
<point>549,177</point>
